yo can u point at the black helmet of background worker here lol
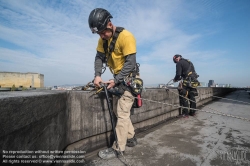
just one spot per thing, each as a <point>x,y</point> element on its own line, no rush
<point>175,57</point>
<point>98,20</point>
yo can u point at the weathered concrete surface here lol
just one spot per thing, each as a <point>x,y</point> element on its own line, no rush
<point>89,120</point>
<point>77,120</point>
<point>206,139</point>
<point>33,120</point>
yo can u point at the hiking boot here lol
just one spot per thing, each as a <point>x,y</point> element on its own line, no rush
<point>131,142</point>
<point>109,153</point>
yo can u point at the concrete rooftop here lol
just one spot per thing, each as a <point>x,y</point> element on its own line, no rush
<point>206,139</point>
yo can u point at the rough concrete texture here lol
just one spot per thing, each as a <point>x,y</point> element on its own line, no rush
<point>55,120</point>
<point>29,93</point>
<point>206,139</point>
<point>32,120</point>
<point>89,116</point>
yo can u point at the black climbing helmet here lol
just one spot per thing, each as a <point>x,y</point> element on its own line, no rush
<point>176,56</point>
<point>98,20</point>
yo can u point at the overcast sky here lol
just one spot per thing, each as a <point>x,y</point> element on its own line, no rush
<point>53,38</point>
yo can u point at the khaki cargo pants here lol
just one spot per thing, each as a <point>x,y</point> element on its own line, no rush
<point>124,128</point>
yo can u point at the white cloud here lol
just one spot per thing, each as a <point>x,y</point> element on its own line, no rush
<point>53,38</point>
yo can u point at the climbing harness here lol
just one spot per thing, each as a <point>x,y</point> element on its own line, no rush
<point>109,49</point>
<point>191,76</point>
<point>134,85</point>
<point>131,83</point>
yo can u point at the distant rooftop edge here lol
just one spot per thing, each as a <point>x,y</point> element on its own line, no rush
<point>19,72</point>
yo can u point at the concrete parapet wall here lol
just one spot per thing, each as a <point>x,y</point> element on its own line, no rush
<point>78,120</point>
<point>32,120</point>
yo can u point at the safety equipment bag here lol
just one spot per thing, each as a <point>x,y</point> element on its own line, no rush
<point>135,85</point>
<point>137,102</point>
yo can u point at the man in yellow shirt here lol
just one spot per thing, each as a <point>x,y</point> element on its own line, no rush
<point>121,60</point>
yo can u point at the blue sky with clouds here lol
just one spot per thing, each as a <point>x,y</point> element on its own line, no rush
<point>53,38</point>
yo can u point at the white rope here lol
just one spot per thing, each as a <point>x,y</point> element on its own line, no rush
<point>192,100</point>
<point>216,111</point>
<point>212,112</point>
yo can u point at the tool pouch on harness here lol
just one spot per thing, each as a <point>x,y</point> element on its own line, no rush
<point>191,82</point>
<point>135,85</point>
<point>135,88</point>
<point>191,86</point>
<point>185,90</point>
<point>136,91</point>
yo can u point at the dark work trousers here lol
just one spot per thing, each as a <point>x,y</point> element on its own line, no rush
<point>189,93</point>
